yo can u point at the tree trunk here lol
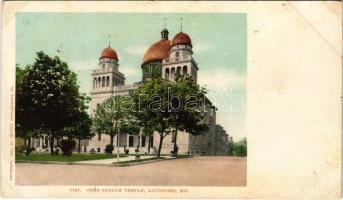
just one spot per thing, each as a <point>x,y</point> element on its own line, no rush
<point>149,144</point>
<point>160,145</point>
<point>79,147</point>
<point>175,139</point>
<point>28,143</point>
<point>28,146</point>
<point>112,136</point>
<point>52,145</point>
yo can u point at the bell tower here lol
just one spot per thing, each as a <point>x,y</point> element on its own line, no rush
<point>180,60</point>
<point>105,78</point>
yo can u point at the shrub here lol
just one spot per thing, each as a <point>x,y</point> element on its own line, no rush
<point>57,151</point>
<point>127,151</point>
<point>67,147</point>
<point>240,148</point>
<point>92,151</point>
<point>19,145</point>
<point>29,150</point>
<point>109,149</point>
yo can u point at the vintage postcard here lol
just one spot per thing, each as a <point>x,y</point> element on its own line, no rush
<point>116,99</point>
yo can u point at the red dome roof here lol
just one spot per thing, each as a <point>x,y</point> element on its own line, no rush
<point>109,53</point>
<point>182,38</point>
<point>157,51</point>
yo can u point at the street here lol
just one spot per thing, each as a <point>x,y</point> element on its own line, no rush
<point>196,171</point>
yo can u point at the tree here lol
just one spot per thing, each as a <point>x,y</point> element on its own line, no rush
<point>240,148</point>
<point>50,93</point>
<point>80,128</point>
<point>109,117</point>
<point>230,147</point>
<point>149,132</point>
<point>139,122</point>
<point>131,127</point>
<point>189,115</point>
<point>167,106</point>
<point>25,120</point>
<point>150,107</point>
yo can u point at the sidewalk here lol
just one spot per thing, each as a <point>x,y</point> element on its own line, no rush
<point>111,160</point>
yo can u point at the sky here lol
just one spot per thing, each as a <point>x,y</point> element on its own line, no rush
<point>219,46</point>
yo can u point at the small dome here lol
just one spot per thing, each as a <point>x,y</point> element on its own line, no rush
<point>182,38</point>
<point>109,53</point>
<point>157,51</point>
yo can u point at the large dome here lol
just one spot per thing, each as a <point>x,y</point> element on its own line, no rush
<point>157,51</point>
<point>182,38</point>
<point>109,53</point>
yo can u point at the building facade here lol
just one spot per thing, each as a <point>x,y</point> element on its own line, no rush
<point>165,59</point>
<point>222,141</point>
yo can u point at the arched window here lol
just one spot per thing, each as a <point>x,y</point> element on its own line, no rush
<point>107,81</point>
<point>113,81</point>
<point>94,83</point>
<point>178,71</point>
<point>99,82</point>
<point>103,82</point>
<point>172,76</point>
<point>167,73</point>
<point>184,70</point>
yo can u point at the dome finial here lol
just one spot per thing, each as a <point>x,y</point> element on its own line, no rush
<point>181,24</point>
<point>165,19</point>
<point>109,40</point>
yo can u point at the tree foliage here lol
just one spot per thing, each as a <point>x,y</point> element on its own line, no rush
<point>190,115</point>
<point>80,128</point>
<point>238,148</point>
<point>150,114</point>
<point>19,145</point>
<point>48,99</point>
<point>25,119</point>
<point>165,106</point>
<point>113,116</point>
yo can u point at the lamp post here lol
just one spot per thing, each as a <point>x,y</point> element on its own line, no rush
<point>175,137</point>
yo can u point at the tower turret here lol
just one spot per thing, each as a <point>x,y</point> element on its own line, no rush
<point>180,60</point>
<point>106,77</point>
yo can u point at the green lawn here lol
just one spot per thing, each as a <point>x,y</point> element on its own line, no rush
<point>60,158</point>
